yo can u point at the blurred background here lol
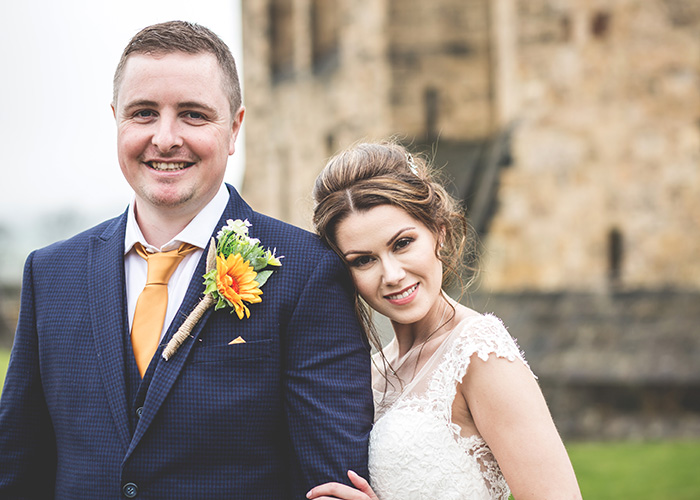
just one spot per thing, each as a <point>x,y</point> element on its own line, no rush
<point>569,128</point>
<point>60,172</point>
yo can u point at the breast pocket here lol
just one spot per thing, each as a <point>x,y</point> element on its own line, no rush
<point>251,350</point>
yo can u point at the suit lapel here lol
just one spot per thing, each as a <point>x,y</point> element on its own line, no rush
<point>167,371</point>
<point>108,316</point>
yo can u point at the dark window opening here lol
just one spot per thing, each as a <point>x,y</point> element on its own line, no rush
<point>600,24</point>
<point>431,100</point>
<point>566,28</point>
<point>324,34</point>
<point>281,39</point>
<point>330,144</point>
<point>615,255</point>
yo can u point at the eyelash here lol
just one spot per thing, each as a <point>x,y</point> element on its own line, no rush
<point>402,243</point>
<point>147,113</point>
<point>366,259</point>
<point>360,261</point>
<point>200,116</point>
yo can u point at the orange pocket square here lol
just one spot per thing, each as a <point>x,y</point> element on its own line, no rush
<point>237,340</point>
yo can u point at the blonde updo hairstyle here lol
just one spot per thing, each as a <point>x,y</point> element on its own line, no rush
<point>371,174</point>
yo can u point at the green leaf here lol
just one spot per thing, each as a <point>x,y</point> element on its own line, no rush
<point>211,287</point>
<point>259,263</point>
<point>262,277</point>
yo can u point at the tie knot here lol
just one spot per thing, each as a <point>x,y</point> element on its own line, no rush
<point>161,265</point>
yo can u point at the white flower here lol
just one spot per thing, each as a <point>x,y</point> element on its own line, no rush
<point>239,227</point>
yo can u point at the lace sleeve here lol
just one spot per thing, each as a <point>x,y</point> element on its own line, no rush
<point>482,335</point>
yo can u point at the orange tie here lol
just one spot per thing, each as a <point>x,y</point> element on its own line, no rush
<point>149,314</point>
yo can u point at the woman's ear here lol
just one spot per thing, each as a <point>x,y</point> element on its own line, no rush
<point>442,236</point>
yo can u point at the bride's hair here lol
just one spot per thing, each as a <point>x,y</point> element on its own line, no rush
<point>371,174</point>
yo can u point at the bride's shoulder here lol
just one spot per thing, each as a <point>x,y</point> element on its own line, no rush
<point>468,320</point>
<point>483,334</point>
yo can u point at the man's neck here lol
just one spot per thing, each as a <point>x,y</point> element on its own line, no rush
<point>161,226</point>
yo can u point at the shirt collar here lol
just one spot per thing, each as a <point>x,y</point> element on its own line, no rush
<point>197,232</point>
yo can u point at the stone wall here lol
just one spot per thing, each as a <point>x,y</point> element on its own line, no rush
<point>439,54</point>
<point>606,142</point>
<point>621,365</point>
<point>414,70</point>
<point>296,120</point>
<point>601,100</point>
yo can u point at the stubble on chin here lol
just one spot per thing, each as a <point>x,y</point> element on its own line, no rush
<point>176,201</point>
<point>164,196</point>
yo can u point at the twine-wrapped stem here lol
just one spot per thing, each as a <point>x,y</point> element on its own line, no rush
<point>186,328</point>
<point>184,331</point>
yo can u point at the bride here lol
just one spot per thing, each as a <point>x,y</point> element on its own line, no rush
<point>458,413</point>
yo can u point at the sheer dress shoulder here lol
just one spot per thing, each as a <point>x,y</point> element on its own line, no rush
<point>416,451</point>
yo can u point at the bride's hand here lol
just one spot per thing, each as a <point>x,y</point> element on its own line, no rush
<point>330,491</point>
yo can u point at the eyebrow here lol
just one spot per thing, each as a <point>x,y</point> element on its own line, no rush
<point>142,103</point>
<point>197,105</point>
<point>391,240</point>
<point>181,105</point>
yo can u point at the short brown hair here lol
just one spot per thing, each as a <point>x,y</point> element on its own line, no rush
<point>190,38</point>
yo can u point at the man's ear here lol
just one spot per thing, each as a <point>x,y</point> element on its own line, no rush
<point>235,129</point>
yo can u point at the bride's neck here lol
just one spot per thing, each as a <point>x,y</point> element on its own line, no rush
<point>432,326</point>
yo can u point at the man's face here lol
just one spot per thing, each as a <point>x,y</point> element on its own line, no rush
<point>174,130</point>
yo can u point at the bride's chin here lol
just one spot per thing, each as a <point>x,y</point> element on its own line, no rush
<point>405,319</point>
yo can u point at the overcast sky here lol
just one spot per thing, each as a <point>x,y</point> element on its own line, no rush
<point>58,137</point>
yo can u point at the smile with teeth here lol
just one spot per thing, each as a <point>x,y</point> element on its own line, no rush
<point>168,167</point>
<point>403,294</point>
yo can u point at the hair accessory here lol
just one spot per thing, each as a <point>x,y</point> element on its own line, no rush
<point>411,164</point>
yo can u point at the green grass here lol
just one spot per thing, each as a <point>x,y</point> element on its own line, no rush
<point>4,360</point>
<point>637,470</point>
<point>615,471</point>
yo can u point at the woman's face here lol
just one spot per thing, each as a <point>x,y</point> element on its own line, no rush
<point>392,262</point>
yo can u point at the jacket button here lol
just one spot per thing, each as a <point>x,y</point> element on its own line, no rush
<point>139,411</point>
<point>130,490</point>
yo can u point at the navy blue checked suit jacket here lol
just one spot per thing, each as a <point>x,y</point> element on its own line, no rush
<point>266,419</point>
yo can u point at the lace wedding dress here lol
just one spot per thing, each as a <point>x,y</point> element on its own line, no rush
<point>416,451</point>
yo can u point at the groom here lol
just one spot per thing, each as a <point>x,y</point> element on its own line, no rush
<point>262,407</point>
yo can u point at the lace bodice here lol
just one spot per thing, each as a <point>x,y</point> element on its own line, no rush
<point>416,451</point>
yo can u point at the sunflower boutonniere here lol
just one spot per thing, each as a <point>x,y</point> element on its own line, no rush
<point>237,267</point>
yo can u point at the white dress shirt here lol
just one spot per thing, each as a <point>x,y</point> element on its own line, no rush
<point>197,232</point>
